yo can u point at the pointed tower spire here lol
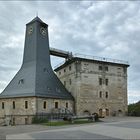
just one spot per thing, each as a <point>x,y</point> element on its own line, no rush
<point>37,14</point>
<point>36,77</point>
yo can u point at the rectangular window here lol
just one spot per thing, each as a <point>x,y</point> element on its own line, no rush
<point>106,94</point>
<point>100,94</point>
<point>100,68</point>
<point>14,106</point>
<point>59,72</point>
<point>106,68</point>
<point>67,105</point>
<point>124,70</point>
<point>69,68</point>
<point>26,104</point>
<point>70,81</point>
<point>100,81</point>
<point>2,105</point>
<point>106,82</point>
<point>64,70</point>
<point>44,104</point>
<point>56,104</point>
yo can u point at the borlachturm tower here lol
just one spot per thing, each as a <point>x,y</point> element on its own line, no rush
<point>35,88</point>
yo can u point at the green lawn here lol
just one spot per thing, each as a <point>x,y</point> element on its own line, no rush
<point>61,123</point>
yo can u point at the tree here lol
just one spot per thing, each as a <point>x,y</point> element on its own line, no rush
<point>134,109</point>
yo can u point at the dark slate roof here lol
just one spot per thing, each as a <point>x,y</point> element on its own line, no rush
<point>36,19</point>
<point>36,77</point>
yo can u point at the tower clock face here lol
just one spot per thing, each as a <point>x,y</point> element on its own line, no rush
<point>30,30</point>
<point>43,31</point>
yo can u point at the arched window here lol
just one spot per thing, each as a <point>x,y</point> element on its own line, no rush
<point>86,112</point>
<point>120,111</point>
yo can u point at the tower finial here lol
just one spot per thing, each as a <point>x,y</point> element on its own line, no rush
<point>36,13</point>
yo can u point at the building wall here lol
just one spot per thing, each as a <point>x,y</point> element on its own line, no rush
<point>21,115</point>
<point>86,89</point>
<point>50,105</point>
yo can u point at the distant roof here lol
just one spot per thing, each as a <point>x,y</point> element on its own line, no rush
<point>101,61</point>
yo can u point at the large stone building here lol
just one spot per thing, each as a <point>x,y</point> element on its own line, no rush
<point>82,86</point>
<point>97,85</point>
<point>35,89</point>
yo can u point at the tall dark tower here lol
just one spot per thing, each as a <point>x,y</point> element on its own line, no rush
<point>36,77</point>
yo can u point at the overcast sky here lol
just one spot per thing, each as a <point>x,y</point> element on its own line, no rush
<point>103,28</point>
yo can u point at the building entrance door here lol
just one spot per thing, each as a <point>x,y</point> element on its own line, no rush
<point>100,112</point>
<point>107,112</point>
<point>26,121</point>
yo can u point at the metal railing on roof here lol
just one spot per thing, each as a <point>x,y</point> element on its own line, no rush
<point>104,59</point>
<point>96,58</point>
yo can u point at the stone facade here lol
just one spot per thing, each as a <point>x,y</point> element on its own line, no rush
<point>97,86</point>
<point>22,110</point>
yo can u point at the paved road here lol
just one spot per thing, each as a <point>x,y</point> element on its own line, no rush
<point>111,128</point>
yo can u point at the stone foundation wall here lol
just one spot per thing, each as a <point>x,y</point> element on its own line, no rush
<point>22,115</point>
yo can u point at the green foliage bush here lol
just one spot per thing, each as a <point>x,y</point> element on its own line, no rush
<point>134,109</point>
<point>37,120</point>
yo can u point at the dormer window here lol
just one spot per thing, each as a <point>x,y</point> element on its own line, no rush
<point>21,81</point>
<point>48,89</point>
<point>45,69</point>
<point>58,90</point>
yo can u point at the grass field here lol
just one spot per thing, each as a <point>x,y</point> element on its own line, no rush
<point>61,123</point>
